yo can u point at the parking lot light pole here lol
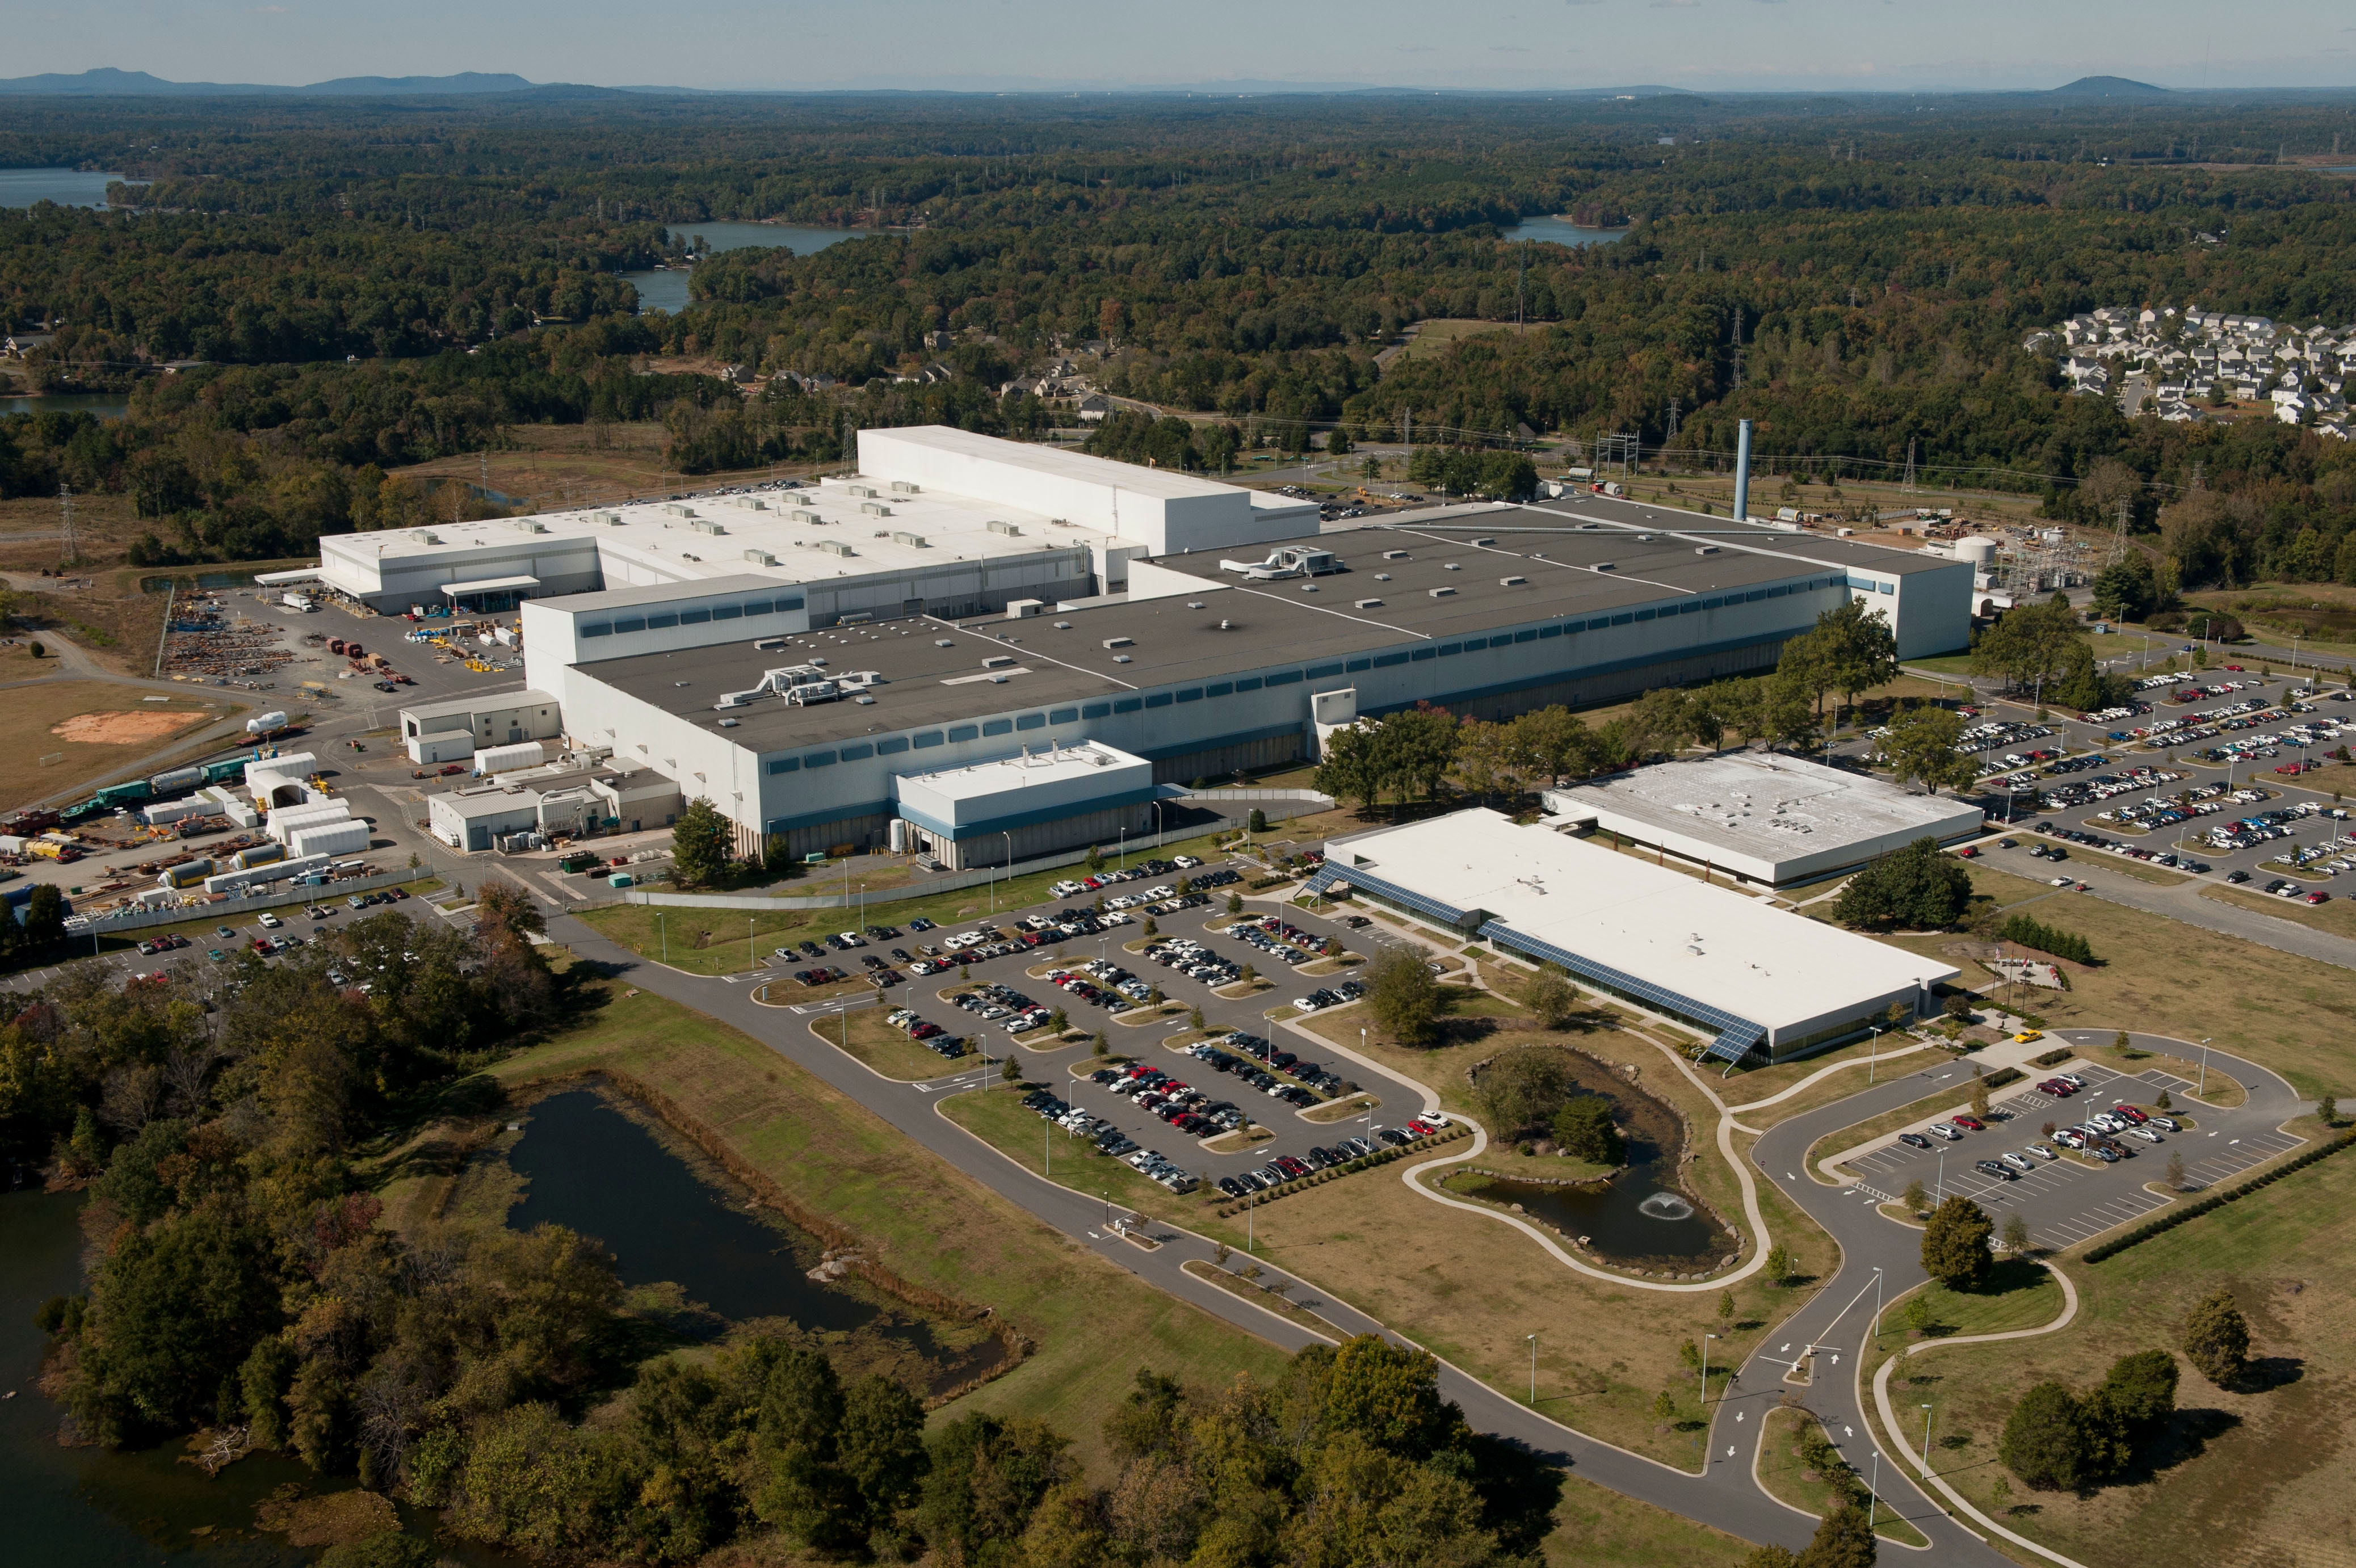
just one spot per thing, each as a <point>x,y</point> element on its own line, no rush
<point>664,931</point>
<point>2203,1090</point>
<point>1534,1370</point>
<point>1877,1309</point>
<point>1706,1338</point>
<point>1926,1439</point>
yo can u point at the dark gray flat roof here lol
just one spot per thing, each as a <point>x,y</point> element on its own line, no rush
<point>1183,637</point>
<point>1618,516</point>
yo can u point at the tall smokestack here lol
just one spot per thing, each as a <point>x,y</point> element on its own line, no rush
<point>1742,472</point>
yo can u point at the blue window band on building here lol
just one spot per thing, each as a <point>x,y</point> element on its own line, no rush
<point>785,764</point>
<point>1249,683</point>
<point>1284,677</point>
<point>892,747</point>
<point>1094,710</point>
<point>1474,644</point>
<point>695,617</point>
<point>964,732</point>
<point>635,623</point>
<point>818,760</point>
<point>927,738</point>
<point>1129,705</point>
<point>727,611</point>
<point>857,753</point>
<point>1384,661</point>
<point>1159,700</point>
<point>596,629</point>
<point>761,607</point>
<point>1032,721</point>
<point>1192,693</point>
<point>1319,672</point>
<point>997,726</point>
<point>1449,650</point>
<point>1356,664</point>
<point>1545,631</point>
<point>1064,715</point>
<point>1222,688</point>
<point>1428,652</point>
<point>657,623</point>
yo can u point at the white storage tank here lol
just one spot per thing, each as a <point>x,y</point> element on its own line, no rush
<point>509,759</point>
<point>177,779</point>
<point>1979,550</point>
<point>332,839</point>
<point>266,723</point>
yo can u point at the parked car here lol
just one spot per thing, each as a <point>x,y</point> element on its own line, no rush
<point>1914,1140</point>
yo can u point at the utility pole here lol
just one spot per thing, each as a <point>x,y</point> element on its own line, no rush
<point>1908,484</point>
<point>65,502</point>
<point>1738,349</point>
<point>1673,419</point>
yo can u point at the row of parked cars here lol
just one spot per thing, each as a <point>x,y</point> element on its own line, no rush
<point>1287,1168</point>
<point>931,1036</point>
<point>1279,938</point>
<point>1330,996</point>
<point>1196,961</point>
<point>1112,1140</point>
<point>1005,1007</point>
<point>1243,1054</point>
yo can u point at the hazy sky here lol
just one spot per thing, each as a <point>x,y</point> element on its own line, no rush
<point>1765,44</point>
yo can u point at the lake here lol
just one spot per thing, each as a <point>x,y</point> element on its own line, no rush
<point>662,288</point>
<point>589,1166</point>
<point>67,188</point>
<point>105,405</point>
<point>1560,232</point>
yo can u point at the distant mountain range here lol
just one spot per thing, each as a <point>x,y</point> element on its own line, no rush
<point>108,83</point>
<point>2108,87</point>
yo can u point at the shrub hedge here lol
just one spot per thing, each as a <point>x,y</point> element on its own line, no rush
<point>2062,944</point>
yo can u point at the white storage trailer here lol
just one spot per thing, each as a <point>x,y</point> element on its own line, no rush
<point>289,820</point>
<point>346,838</point>
<point>509,759</point>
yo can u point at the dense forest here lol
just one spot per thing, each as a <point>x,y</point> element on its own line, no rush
<point>374,285</point>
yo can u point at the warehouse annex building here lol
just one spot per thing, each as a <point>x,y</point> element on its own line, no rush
<point>1761,982</point>
<point>1763,816</point>
<point>965,601</point>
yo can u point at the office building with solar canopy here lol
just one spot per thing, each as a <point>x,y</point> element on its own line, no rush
<point>1758,982</point>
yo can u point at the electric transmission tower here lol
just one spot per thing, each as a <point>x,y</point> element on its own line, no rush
<point>1907,484</point>
<point>1738,349</point>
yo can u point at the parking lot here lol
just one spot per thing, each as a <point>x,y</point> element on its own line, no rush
<point>1266,1077</point>
<point>2068,1200</point>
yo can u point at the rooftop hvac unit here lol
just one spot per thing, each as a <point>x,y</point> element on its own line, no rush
<point>832,547</point>
<point>1440,593</point>
<point>678,508</point>
<point>804,515</point>
<point>1007,528</point>
<point>904,487</point>
<point>876,508</point>
<point>706,525</point>
<point>866,490</point>
<point>611,519</point>
<point>914,541</point>
<point>532,524</point>
<point>1510,582</point>
<point>760,557</point>
<point>754,502</point>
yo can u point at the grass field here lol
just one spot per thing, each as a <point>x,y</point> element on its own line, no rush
<point>728,941</point>
<point>30,738</point>
<point>2286,1012</point>
<point>2248,1477</point>
<point>862,1034</point>
<point>924,1221</point>
<point>2338,917</point>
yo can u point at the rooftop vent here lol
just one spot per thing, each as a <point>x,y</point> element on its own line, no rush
<point>1194,604</point>
<point>705,525</point>
<point>904,487</point>
<point>1606,566</point>
<point>760,557</point>
<point>1706,549</point>
<point>1369,605</point>
<point>997,661</point>
<point>677,509</point>
<point>943,643</point>
<point>1394,554</point>
<point>866,490</point>
<point>804,515</point>
<point>1008,529</point>
<point>611,519</point>
<point>1441,593</point>
<point>1120,658</point>
<point>1482,544</point>
<point>832,547</point>
<point>1063,626</point>
<point>532,524</point>
<point>1510,582</point>
<point>914,541</point>
<point>754,502</point>
<point>1119,642</point>
<point>876,508</point>
<point>1382,577</point>
<point>1451,566</point>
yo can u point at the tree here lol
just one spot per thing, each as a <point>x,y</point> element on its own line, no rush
<point>1349,768</point>
<point>1404,996</point>
<point>1779,1264</point>
<point>1235,903</point>
<point>1843,1541</point>
<point>1919,887</point>
<point>2029,645</point>
<point>1921,746</point>
<point>1523,1089</point>
<point>1584,1128</point>
<point>2127,589</point>
<point>1956,1243</point>
<point>2216,1339</point>
<point>44,923</point>
<point>1555,741</point>
<point>1485,762</point>
<point>1551,998</point>
<point>2175,1173</point>
<point>2016,1235</point>
<point>1979,1093</point>
<point>1915,1198</point>
<point>1854,649</point>
<point>1787,708</point>
<point>1664,1408</point>
<point>2135,1402</point>
<point>1726,1306</point>
<point>2327,1111</point>
<point>1414,751</point>
<point>699,843</point>
<point>2044,1441</point>
<point>1337,442</point>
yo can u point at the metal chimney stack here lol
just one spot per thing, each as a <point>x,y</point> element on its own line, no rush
<point>1742,472</point>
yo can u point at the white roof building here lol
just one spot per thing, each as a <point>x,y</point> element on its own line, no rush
<point>1763,980</point>
<point>1763,816</point>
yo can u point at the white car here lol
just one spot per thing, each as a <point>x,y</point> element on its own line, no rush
<point>1066,890</point>
<point>1942,1130</point>
<point>270,921</point>
<point>2018,1162</point>
<point>2042,1152</point>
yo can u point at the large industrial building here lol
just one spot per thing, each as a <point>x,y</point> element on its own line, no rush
<point>1760,982</point>
<point>1761,817</point>
<point>804,658</point>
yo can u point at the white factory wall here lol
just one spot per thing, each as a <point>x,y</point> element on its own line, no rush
<point>351,562</point>
<point>1929,611</point>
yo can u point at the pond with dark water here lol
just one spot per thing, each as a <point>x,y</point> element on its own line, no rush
<point>1642,1217</point>
<point>596,1170</point>
<point>1560,231</point>
<point>105,405</point>
<point>67,188</point>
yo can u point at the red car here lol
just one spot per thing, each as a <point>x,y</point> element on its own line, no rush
<point>1968,852</point>
<point>1969,1124</point>
<point>2235,667</point>
<point>2318,898</point>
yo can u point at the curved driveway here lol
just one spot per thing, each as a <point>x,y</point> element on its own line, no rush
<point>1834,1319</point>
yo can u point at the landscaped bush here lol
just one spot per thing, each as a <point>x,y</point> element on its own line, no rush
<point>2066,945</point>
